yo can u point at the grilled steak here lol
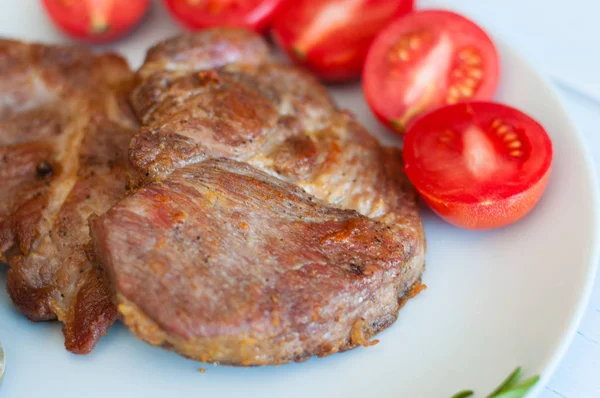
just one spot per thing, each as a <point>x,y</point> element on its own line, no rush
<point>268,225</point>
<point>65,126</point>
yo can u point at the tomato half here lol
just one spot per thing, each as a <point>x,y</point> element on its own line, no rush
<point>96,20</point>
<point>199,14</point>
<point>479,165</point>
<point>425,60</point>
<point>332,37</point>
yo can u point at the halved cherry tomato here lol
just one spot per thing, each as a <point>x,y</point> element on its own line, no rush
<point>479,165</point>
<point>199,14</point>
<point>425,60</point>
<point>332,37</point>
<point>96,20</point>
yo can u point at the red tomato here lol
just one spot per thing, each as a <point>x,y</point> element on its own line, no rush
<point>96,20</point>
<point>479,165</point>
<point>199,14</point>
<point>332,37</point>
<point>425,60</point>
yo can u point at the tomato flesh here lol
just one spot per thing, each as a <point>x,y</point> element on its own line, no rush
<point>96,20</point>
<point>196,14</point>
<point>428,59</point>
<point>479,165</point>
<point>332,37</point>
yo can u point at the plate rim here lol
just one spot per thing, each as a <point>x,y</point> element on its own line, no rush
<point>559,351</point>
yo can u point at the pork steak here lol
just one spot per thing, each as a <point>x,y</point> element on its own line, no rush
<point>65,125</point>
<point>268,226</point>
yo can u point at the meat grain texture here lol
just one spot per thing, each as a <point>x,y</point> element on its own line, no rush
<point>65,125</point>
<point>267,226</point>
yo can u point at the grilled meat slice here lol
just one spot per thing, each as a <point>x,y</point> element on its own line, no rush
<point>64,130</point>
<point>227,264</point>
<point>269,226</point>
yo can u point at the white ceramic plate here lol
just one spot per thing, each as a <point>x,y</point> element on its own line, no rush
<point>495,300</point>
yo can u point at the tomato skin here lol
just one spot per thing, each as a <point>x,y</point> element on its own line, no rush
<point>335,51</point>
<point>436,164</point>
<point>452,60</point>
<point>477,216</point>
<point>257,14</point>
<point>96,20</point>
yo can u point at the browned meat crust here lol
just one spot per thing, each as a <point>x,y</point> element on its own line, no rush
<point>64,129</point>
<point>269,225</point>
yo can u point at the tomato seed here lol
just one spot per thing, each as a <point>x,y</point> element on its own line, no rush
<point>516,153</point>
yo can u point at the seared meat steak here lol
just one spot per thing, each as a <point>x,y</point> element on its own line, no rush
<point>64,130</point>
<point>268,226</point>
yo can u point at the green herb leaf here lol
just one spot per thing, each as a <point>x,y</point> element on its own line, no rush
<point>520,389</point>
<point>509,388</point>
<point>507,383</point>
<point>463,394</point>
